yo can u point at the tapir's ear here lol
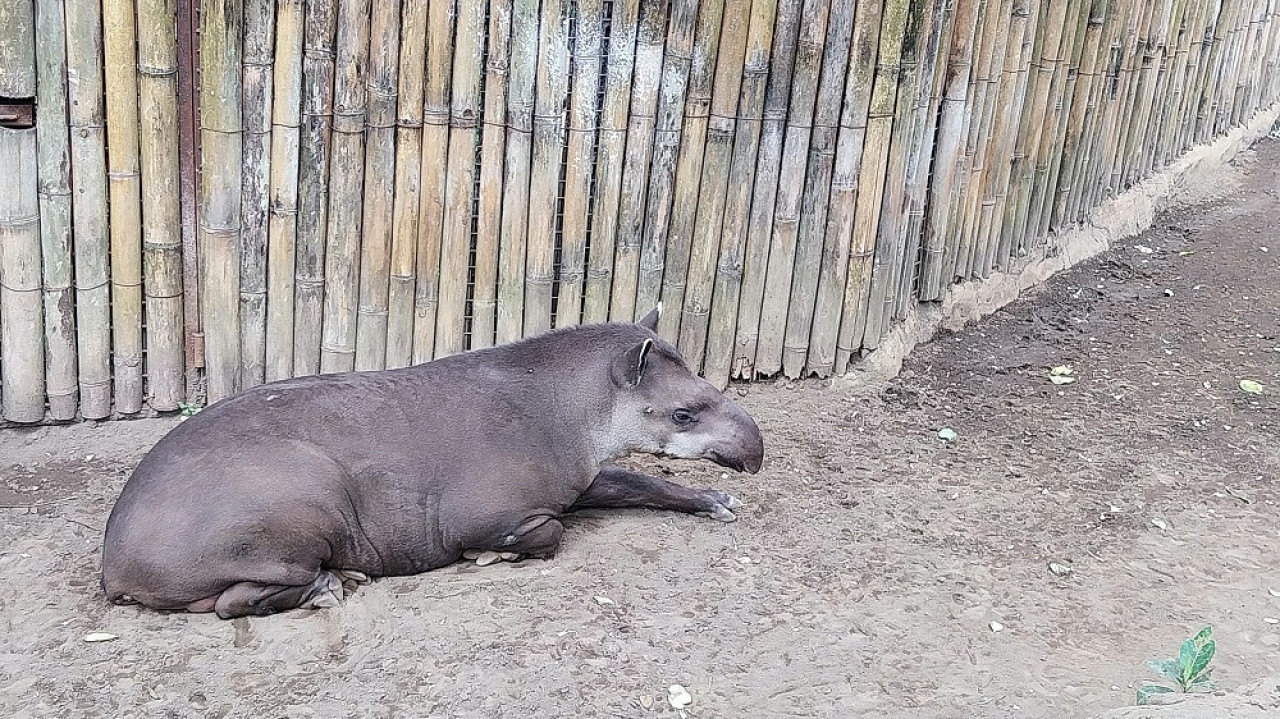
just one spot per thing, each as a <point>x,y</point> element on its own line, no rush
<point>650,321</point>
<point>629,368</point>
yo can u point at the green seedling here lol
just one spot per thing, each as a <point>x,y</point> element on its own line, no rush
<point>1190,671</point>
<point>188,409</point>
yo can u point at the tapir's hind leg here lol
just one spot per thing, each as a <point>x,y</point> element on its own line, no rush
<point>257,598</point>
<point>618,488</point>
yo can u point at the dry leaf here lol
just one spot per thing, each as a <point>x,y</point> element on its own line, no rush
<point>1251,386</point>
<point>1059,379</point>
<point>99,637</point>
<point>678,697</point>
<point>646,701</point>
<point>603,600</point>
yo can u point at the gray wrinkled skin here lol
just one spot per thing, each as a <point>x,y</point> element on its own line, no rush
<point>270,499</point>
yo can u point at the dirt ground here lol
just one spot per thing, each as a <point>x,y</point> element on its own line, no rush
<point>864,575</point>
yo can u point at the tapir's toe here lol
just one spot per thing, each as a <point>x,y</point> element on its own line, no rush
<point>722,504</point>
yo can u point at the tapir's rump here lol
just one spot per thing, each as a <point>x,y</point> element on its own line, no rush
<point>271,499</point>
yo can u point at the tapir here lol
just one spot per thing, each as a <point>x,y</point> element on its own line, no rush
<point>268,500</point>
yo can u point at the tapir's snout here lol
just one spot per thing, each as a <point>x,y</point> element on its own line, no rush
<point>742,450</point>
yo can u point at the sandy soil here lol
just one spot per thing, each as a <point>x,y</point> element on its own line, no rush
<point>864,575</point>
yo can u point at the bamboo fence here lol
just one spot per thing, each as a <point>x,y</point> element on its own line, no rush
<point>332,185</point>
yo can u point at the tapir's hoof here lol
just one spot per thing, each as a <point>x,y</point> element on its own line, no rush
<point>722,504</point>
<point>351,575</point>
<point>328,593</point>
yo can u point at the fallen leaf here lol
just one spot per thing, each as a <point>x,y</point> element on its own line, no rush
<point>1271,620</point>
<point>1251,386</point>
<point>1143,249</point>
<point>946,434</point>
<point>646,701</point>
<point>1059,379</point>
<point>1062,370</point>
<point>678,697</point>
<point>1159,524</point>
<point>99,637</point>
<point>1059,569</point>
<point>603,600</point>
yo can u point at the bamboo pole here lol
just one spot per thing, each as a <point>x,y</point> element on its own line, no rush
<point>891,240</point>
<point>408,183</point>
<point>492,150</point>
<point>379,188</point>
<point>512,239</point>
<point>1147,61</point>
<point>1105,106</point>
<point>871,180</point>
<point>993,21</point>
<point>935,273</point>
<point>1122,109</point>
<point>1074,147</point>
<point>791,186</point>
<point>842,206</point>
<point>1168,90</point>
<point>666,143</point>
<point>936,31</point>
<point>1008,101</point>
<point>759,225</point>
<point>610,151</point>
<point>282,224</point>
<point>1181,118</point>
<point>434,163</point>
<point>315,151</point>
<point>90,238</point>
<point>53,171</point>
<point>1061,89</point>
<point>220,148</point>
<point>720,326</point>
<point>346,189</point>
<point>22,375</point>
<point>1049,50</point>
<point>552,90</point>
<point>579,160</point>
<point>794,339</point>
<point>1012,153</point>
<point>693,293</point>
<point>125,198</point>
<point>636,163</point>
<point>161,205</point>
<point>687,193</point>
<point>455,246</point>
<point>257,76</point>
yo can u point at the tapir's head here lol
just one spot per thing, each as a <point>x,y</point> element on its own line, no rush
<point>663,408</point>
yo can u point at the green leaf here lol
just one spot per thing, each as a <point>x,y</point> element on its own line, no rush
<point>1146,691</point>
<point>1204,676</point>
<point>1186,657</point>
<point>1203,635</point>
<point>1203,656</point>
<point>1167,668</point>
<point>1205,686</point>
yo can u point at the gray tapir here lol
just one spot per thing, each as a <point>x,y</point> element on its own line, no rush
<point>269,499</point>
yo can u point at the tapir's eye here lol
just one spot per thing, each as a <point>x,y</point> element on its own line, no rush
<point>682,417</point>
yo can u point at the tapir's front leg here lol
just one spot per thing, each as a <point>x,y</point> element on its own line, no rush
<point>618,488</point>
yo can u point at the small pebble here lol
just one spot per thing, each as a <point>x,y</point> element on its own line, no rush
<point>997,627</point>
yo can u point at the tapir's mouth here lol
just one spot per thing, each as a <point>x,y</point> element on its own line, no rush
<point>733,463</point>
